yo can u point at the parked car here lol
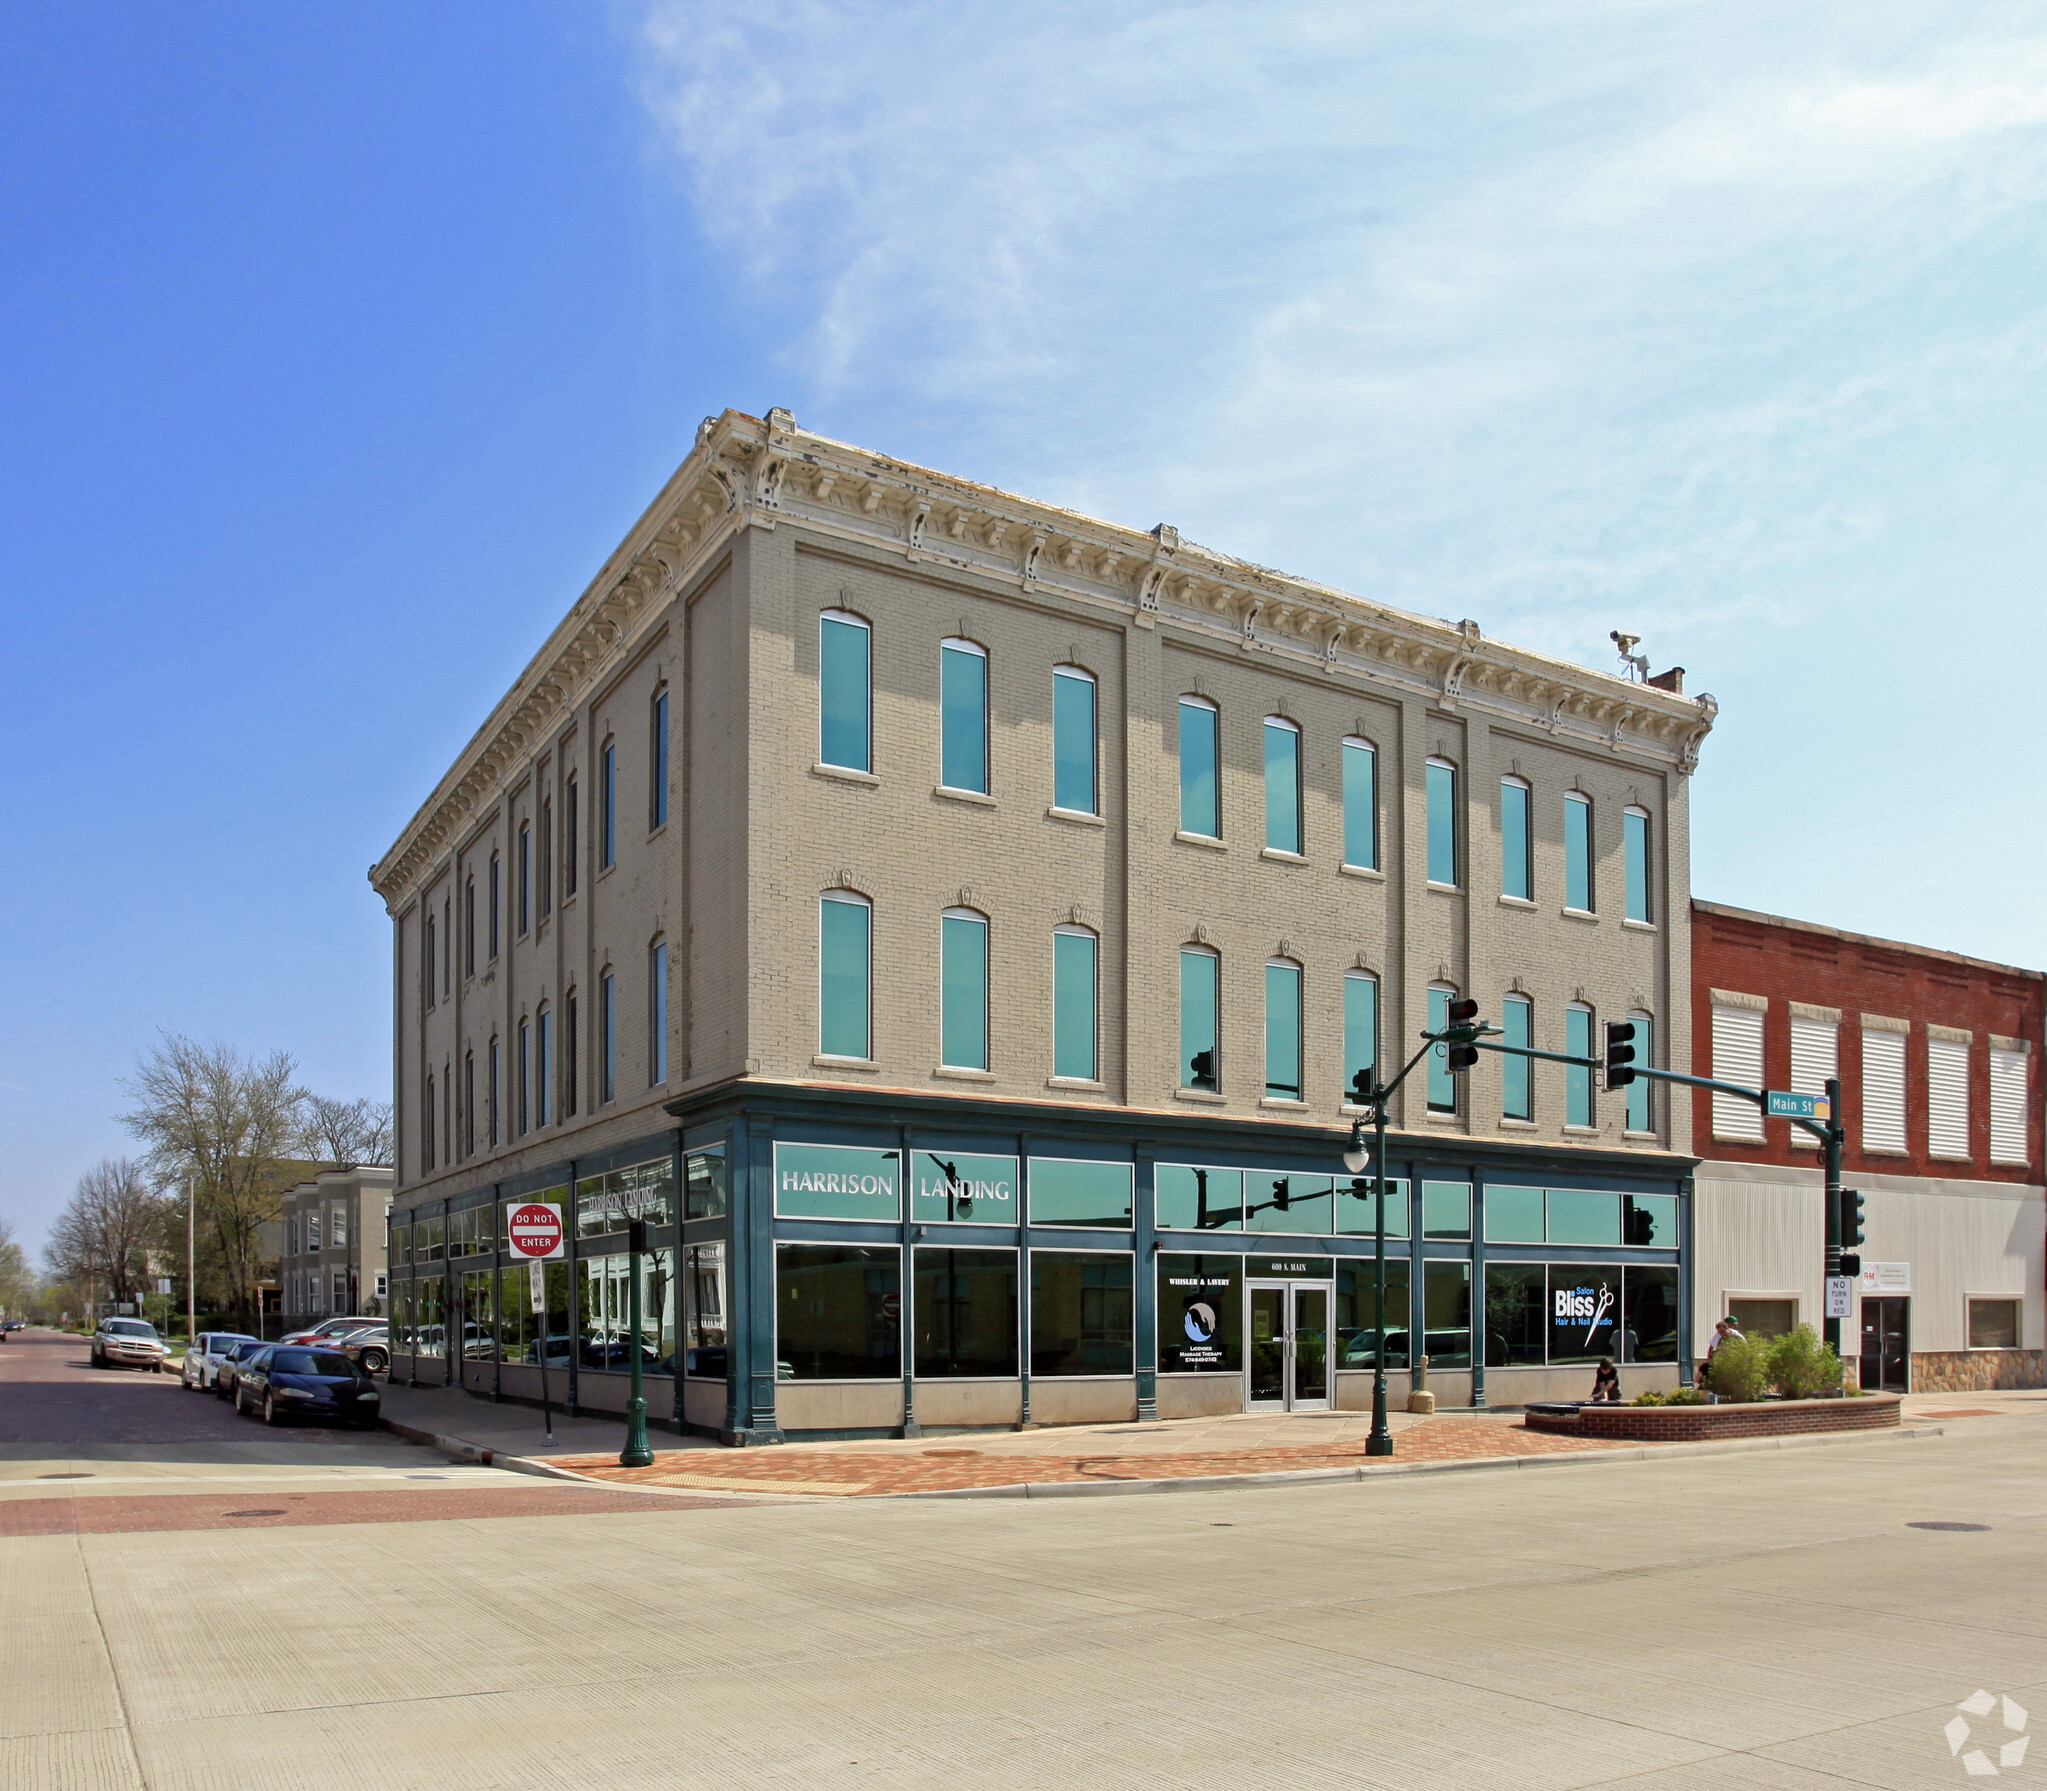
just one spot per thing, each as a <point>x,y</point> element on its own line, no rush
<point>286,1381</point>
<point>127,1343</point>
<point>369,1348</point>
<point>230,1368</point>
<point>203,1356</point>
<point>15,1324</point>
<point>332,1331</point>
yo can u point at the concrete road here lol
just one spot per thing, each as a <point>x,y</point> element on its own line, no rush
<point>1765,1620</point>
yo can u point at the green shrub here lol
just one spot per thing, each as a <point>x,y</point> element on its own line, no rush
<point>1740,1369</point>
<point>1800,1366</point>
<point>1649,1398</point>
<point>1684,1396</point>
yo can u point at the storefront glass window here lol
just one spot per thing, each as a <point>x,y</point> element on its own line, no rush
<point>1065,1192</point>
<point>838,1312</point>
<point>704,1311</point>
<point>1649,1327</point>
<point>965,1305</point>
<point>401,1316</point>
<point>952,1187</point>
<point>1513,1215</point>
<point>1584,1311</point>
<point>1446,1314</point>
<point>401,1246</point>
<point>1357,1312</point>
<point>1357,1206</point>
<point>1297,1203</point>
<point>638,1191</point>
<point>1516,1332</point>
<point>520,1328</point>
<point>430,1331</point>
<point>479,1311</point>
<point>1201,1314</point>
<point>1446,1210</point>
<point>1193,1199</point>
<point>830,1181</point>
<point>707,1178</point>
<point>1080,1313</point>
<point>604,1322</point>
<point>1650,1220</point>
<point>1584,1216</point>
<point>432,1229</point>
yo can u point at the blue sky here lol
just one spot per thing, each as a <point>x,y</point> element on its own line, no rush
<point>340,345</point>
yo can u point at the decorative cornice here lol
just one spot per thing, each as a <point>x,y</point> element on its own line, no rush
<point>749,471</point>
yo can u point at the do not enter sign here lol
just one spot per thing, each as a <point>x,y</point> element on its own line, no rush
<point>534,1231</point>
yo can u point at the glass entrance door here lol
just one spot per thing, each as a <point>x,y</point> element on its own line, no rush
<point>1886,1345</point>
<point>1287,1346</point>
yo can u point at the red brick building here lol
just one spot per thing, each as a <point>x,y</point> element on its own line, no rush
<point>1941,1093</point>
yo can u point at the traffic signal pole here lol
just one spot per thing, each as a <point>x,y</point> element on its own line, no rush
<point>1832,1140</point>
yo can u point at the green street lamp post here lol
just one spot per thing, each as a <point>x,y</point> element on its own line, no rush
<point>636,1453</point>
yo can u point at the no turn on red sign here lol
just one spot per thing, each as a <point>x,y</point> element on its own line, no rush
<point>535,1233</point>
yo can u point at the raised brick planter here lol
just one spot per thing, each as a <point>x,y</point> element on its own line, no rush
<point>1706,1423</point>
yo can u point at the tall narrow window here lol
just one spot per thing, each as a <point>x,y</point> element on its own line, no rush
<point>447,945</point>
<point>546,856</point>
<point>1947,1092</point>
<point>494,880</point>
<point>1361,804</point>
<point>543,1065</point>
<point>1200,793</point>
<point>426,1131</point>
<point>1073,740</point>
<point>1577,1078</point>
<point>607,803</point>
<point>523,1070</point>
<point>1642,1092</point>
<point>1815,1058</point>
<point>469,1103</point>
<point>1442,1084</point>
<point>1578,853</point>
<point>1517,841</point>
<point>1883,1083</point>
<point>1282,1030</point>
<point>657,1013</point>
<point>572,834</point>
<point>468,926</point>
<point>570,1051</point>
<point>963,716</point>
<point>963,990</point>
<point>491,1076</point>
<point>657,760</point>
<point>607,1038</point>
<point>843,732</point>
<point>1635,847</point>
<point>1360,1028</point>
<point>432,976</point>
<point>1282,785</point>
<point>2008,1101</point>
<point>1073,1004</point>
<point>523,877</point>
<point>1442,802</point>
<point>1200,1017</point>
<point>845,934</point>
<point>1737,1057</point>
<point>1517,1074</point>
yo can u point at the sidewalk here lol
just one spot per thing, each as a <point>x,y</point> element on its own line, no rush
<point>472,1429</point>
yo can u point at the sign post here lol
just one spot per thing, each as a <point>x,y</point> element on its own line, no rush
<point>534,1231</point>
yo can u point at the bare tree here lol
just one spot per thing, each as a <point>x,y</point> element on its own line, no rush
<point>347,1134</point>
<point>234,1122</point>
<point>17,1283</point>
<point>108,1229</point>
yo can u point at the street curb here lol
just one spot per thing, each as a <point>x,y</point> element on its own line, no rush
<point>1082,1489</point>
<point>455,1448</point>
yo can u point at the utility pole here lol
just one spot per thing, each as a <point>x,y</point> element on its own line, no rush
<point>191,1259</point>
<point>1832,1139</point>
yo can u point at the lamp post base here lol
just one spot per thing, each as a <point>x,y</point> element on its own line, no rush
<point>1380,1442</point>
<point>637,1453</point>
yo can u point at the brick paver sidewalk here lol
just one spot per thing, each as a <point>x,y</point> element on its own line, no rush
<point>958,1465</point>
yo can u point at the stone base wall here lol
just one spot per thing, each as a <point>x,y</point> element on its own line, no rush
<point>1978,1370</point>
<point>1708,1423</point>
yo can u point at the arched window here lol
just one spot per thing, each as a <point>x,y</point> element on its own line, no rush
<point>1517,1074</point>
<point>657,1013</point>
<point>1578,896</point>
<point>1360,1030</point>
<point>963,989</point>
<point>844,708</point>
<point>1282,785</point>
<point>1074,785</point>
<point>523,1070</point>
<point>607,1036</point>
<point>1200,1018</point>
<point>524,879</point>
<point>492,1092</point>
<point>1517,840</point>
<point>1635,831</point>
<point>963,715</point>
<point>543,1065</point>
<point>607,805</point>
<point>431,977</point>
<point>1578,1036</point>
<point>845,958</point>
<point>1442,1084</point>
<point>1443,818</point>
<point>657,759</point>
<point>1360,803</point>
<point>1282,1030</point>
<point>1075,993</point>
<point>571,1054</point>
<point>1641,1091</point>
<point>1200,769</point>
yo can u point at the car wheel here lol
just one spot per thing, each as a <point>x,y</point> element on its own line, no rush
<point>241,1404</point>
<point>271,1415</point>
<point>374,1361</point>
<point>156,1368</point>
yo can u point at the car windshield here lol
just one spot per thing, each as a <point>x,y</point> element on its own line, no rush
<point>312,1361</point>
<point>243,1351</point>
<point>226,1341</point>
<point>130,1327</point>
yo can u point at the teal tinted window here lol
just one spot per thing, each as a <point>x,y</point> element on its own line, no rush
<point>1584,1216</point>
<point>843,958</point>
<point>950,1187</point>
<point>657,754</point>
<point>1642,1094</point>
<point>1283,1031</point>
<point>1446,1314</point>
<point>1196,1199</point>
<point>1073,740</point>
<point>1446,1210</point>
<point>1517,1074</point>
<point>1282,786</point>
<point>1635,841</point>
<point>963,716</point>
<point>1357,1207</point>
<point>1064,1192</point>
<point>1513,1215</point>
<point>963,978</point>
<point>1360,1029</point>
<point>1578,853</point>
<point>1200,999</point>
<point>1442,1084</point>
<point>1442,790</point>
<point>1517,849</point>
<point>1073,1004</point>
<point>1287,1202</point>
<point>1360,805</point>
<point>842,678</point>
<point>1577,1077</point>
<point>1200,798</point>
<point>831,1181</point>
<point>1357,1313</point>
<point>1650,1220</point>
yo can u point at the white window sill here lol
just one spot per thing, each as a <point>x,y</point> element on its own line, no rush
<point>822,1062</point>
<point>1077,1083</point>
<point>974,798</point>
<point>1638,926</point>
<point>1431,1117</point>
<point>1361,870</point>
<point>1507,901</point>
<point>1941,1156</point>
<point>1283,1102</point>
<point>1206,1097</point>
<point>1581,1131</point>
<point>1074,817</point>
<point>1516,1125</point>
<point>953,1073</point>
<point>1742,1138</point>
<point>1585,914</point>
<point>1882,1150</point>
<point>845,774</point>
<point>1279,857</point>
<point>1201,839</point>
<point>1436,888</point>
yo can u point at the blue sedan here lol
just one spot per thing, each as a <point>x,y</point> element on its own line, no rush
<point>284,1382</point>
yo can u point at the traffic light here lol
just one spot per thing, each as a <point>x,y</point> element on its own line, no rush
<point>1463,1013</point>
<point>1282,1195</point>
<point>1620,1055</point>
<point>1852,1237</point>
<point>1201,1067</point>
<point>1851,1264</point>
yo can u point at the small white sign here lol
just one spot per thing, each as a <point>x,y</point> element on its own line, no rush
<point>536,1279</point>
<point>1840,1296</point>
<point>1887,1277</point>
<point>163,1284</point>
